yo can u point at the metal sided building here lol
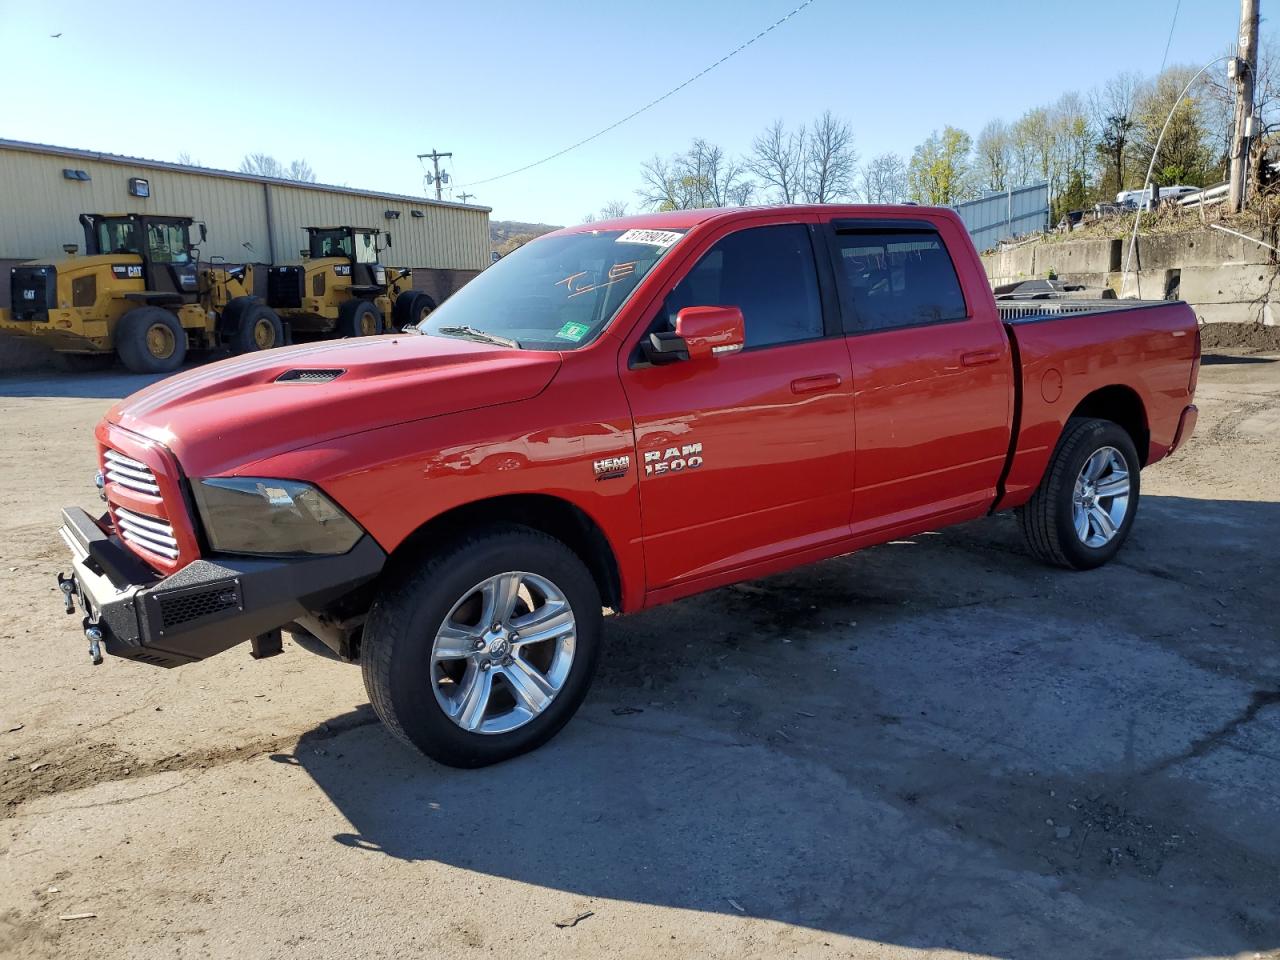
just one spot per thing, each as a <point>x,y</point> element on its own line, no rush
<point>44,189</point>
<point>1006,214</point>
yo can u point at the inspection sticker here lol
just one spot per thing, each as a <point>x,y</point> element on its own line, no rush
<point>573,331</point>
<point>654,238</point>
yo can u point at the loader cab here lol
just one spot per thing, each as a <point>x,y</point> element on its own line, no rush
<point>169,256</point>
<point>361,246</point>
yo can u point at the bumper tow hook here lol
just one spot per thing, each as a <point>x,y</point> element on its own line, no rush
<point>68,587</point>
<point>94,636</point>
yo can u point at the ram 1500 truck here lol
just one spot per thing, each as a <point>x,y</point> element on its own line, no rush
<point>614,416</point>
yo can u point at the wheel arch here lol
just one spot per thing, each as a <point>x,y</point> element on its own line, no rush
<point>1123,406</point>
<point>552,515</point>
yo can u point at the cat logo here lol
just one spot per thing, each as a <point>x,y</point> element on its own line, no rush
<point>672,459</point>
<point>127,271</point>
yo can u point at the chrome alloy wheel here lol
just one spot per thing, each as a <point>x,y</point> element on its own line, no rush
<point>503,652</point>
<point>1101,497</point>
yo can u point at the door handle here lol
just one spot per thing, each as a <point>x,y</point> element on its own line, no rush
<point>824,381</point>
<point>979,357</point>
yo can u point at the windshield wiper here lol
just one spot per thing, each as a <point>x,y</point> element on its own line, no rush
<point>483,336</point>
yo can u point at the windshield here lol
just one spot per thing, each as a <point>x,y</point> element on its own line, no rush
<point>331,243</point>
<point>555,293</point>
<point>167,242</point>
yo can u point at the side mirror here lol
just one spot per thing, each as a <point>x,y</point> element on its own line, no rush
<point>711,331</point>
<point>700,334</point>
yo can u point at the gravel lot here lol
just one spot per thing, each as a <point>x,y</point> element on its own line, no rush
<point>936,747</point>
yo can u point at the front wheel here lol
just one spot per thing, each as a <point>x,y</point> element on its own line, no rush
<point>259,328</point>
<point>359,318</point>
<point>1084,508</point>
<point>411,308</point>
<point>151,340</point>
<point>485,650</point>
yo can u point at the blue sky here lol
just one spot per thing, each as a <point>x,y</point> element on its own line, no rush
<point>502,83</point>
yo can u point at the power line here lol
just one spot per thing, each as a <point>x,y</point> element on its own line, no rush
<point>1165,58</point>
<point>652,103</point>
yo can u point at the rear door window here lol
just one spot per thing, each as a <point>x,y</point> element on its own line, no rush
<point>890,278</point>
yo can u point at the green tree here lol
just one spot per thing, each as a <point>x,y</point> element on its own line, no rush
<point>940,171</point>
<point>1187,143</point>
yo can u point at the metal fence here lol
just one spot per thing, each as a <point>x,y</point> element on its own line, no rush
<point>1003,216</point>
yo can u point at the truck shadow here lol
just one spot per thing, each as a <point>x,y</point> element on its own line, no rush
<point>933,744</point>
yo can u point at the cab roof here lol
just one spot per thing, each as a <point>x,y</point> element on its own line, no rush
<point>138,216</point>
<point>688,219</point>
<point>345,227</point>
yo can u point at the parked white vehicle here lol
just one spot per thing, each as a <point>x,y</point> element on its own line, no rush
<point>1135,198</point>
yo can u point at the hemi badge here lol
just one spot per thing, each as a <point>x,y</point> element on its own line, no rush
<point>611,467</point>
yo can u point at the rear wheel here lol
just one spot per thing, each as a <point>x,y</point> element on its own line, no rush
<point>359,318</point>
<point>411,308</point>
<point>151,340</point>
<point>1085,506</point>
<point>485,650</point>
<point>259,328</point>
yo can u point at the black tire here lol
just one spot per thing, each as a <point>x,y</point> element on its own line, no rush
<point>151,340</point>
<point>396,647</point>
<point>258,327</point>
<point>411,307</point>
<point>359,318</point>
<point>88,362</point>
<point>1047,519</point>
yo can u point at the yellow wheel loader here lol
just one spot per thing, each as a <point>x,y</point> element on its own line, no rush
<point>342,287</point>
<point>139,293</point>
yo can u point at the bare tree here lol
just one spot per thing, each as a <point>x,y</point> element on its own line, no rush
<point>993,156</point>
<point>778,159</point>
<point>613,209</point>
<point>830,160</point>
<point>301,171</point>
<point>884,179</point>
<point>1112,113</point>
<point>702,176</point>
<point>265,165</point>
<point>187,160</point>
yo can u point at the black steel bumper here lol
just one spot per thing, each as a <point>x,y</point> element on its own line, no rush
<point>206,607</point>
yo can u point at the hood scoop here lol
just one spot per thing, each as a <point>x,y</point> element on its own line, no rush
<point>309,376</point>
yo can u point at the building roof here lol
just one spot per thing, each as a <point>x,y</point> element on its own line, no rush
<point>77,154</point>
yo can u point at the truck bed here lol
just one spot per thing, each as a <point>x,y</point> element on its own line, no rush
<point>1141,355</point>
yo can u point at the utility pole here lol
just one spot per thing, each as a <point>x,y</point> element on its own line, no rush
<point>464,196</point>
<point>1244,71</point>
<point>435,159</point>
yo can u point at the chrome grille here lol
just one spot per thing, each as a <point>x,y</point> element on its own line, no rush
<point>130,473</point>
<point>149,533</point>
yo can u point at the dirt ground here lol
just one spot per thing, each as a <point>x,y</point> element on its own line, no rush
<point>933,748</point>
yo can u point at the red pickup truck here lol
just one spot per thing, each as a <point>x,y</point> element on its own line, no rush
<point>614,416</point>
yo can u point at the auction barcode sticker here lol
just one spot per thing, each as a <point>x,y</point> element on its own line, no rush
<point>654,238</point>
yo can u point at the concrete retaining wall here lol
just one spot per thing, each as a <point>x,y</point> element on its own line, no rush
<point>1225,279</point>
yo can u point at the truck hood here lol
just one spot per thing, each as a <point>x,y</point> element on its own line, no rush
<point>223,416</point>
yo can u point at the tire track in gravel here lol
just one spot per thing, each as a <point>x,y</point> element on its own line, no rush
<point>78,765</point>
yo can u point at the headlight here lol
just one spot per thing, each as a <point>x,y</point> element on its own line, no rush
<point>380,276</point>
<point>262,516</point>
